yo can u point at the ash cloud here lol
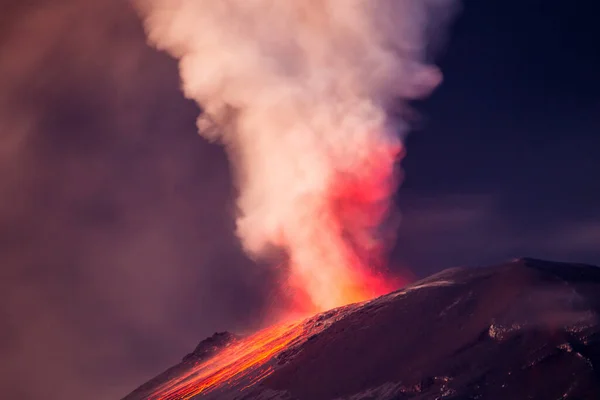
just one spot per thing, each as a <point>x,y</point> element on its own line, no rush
<point>300,94</point>
<point>115,218</point>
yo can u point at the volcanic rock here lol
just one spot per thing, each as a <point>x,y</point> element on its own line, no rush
<point>528,329</point>
<point>211,345</point>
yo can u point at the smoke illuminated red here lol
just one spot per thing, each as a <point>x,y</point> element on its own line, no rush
<point>339,258</point>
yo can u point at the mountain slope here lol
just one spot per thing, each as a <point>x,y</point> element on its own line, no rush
<point>528,329</point>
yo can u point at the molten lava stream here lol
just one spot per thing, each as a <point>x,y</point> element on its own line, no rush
<point>243,359</point>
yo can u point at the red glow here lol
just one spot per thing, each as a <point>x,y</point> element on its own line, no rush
<point>339,259</point>
<point>247,359</point>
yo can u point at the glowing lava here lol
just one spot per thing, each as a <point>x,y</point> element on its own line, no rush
<point>244,359</point>
<point>245,362</point>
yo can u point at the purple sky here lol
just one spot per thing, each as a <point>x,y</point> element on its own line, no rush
<point>116,218</point>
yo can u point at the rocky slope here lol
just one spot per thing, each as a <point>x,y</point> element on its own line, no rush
<point>528,329</point>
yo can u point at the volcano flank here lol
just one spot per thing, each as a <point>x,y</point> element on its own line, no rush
<point>527,329</point>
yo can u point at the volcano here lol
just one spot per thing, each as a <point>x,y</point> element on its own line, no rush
<point>527,329</point>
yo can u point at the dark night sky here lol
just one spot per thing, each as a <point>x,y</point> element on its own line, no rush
<point>116,218</point>
<point>511,140</point>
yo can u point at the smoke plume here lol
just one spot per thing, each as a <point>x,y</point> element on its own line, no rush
<point>307,95</point>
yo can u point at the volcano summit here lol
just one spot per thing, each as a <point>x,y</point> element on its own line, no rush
<point>528,329</point>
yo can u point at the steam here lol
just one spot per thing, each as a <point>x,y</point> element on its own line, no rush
<point>305,96</point>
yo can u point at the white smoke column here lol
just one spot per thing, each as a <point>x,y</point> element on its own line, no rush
<point>299,93</point>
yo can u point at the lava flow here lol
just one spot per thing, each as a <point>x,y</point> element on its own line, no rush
<point>247,358</point>
<point>245,362</point>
